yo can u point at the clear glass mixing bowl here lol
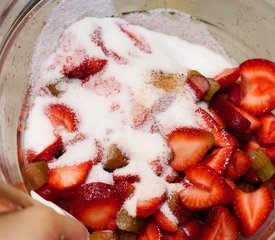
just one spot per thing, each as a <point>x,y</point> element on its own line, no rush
<point>244,28</point>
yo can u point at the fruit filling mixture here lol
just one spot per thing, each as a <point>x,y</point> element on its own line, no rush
<point>142,135</point>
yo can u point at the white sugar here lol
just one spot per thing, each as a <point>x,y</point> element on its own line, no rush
<point>165,209</point>
<point>39,133</point>
<point>79,152</point>
<point>98,174</point>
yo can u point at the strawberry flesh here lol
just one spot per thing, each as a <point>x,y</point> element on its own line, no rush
<point>266,134</point>
<point>204,188</point>
<point>252,209</point>
<point>146,208</point>
<point>238,165</point>
<point>67,177</point>
<point>220,224</point>
<point>62,116</point>
<point>227,77</point>
<point>189,146</point>
<point>257,86</point>
<point>86,68</point>
<point>234,94</point>
<point>227,112</point>
<point>54,150</point>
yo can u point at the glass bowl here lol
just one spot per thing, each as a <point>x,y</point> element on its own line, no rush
<point>244,28</point>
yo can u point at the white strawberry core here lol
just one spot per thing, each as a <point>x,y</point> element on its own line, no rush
<point>108,118</point>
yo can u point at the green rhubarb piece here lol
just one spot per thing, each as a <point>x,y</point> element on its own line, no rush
<point>124,235</point>
<point>128,223</point>
<point>103,235</point>
<point>36,173</point>
<point>193,73</point>
<point>54,89</point>
<point>214,87</point>
<point>261,164</point>
<point>114,158</point>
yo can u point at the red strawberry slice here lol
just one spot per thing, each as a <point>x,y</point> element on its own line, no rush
<point>164,222</point>
<point>199,84</point>
<point>97,39</point>
<point>238,165</point>
<point>127,178</point>
<point>234,94</point>
<point>219,158</point>
<point>220,224</point>
<point>97,214</point>
<point>252,209</point>
<point>192,228</point>
<point>140,114</point>
<point>139,41</point>
<point>182,214</point>
<point>222,137</point>
<point>67,177</point>
<point>251,177</point>
<point>227,77</point>
<point>204,187</point>
<point>152,232</point>
<point>86,68</point>
<point>189,146</point>
<point>230,116</point>
<point>147,207</point>
<point>157,167</point>
<point>255,122</point>
<point>266,135</point>
<point>62,116</point>
<point>179,235</point>
<point>257,86</point>
<point>47,193</point>
<point>52,151</point>
<point>270,153</point>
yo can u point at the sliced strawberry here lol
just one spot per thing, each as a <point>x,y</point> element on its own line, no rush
<point>157,167</point>
<point>222,137</point>
<point>227,112</point>
<point>140,114</point>
<point>238,165</point>
<point>192,228</point>
<point>97,214</point>
<point>152,232</point>
<point>257,84</point>
<point>182,214</point>
<point>198,83</point>
<point>128,178</point>
<point>86,68</point>
<point>48,193</point>
<point>227,77</point>
<point>189,146</point>
<point>266,134</point>
<point>67,177</point>
<point>164,222</point>
<point>270,153</point>
<point>62,116</point>
<point>234,94</point>
<point>220,224</point>
<point>97,39</point>
<point>138,40</point>
<point>178,235</point>
<point>252,209</point>
<point>219,159</point>
<point>204,187</point>
<point>255,122</point>
<point>146,208</point>
<point>251,177</point>
<point>52,151</point>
